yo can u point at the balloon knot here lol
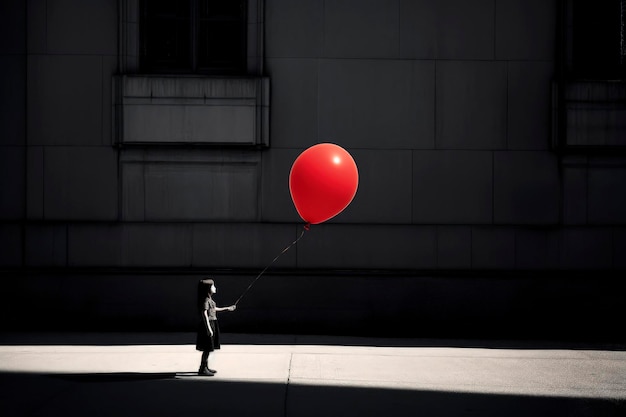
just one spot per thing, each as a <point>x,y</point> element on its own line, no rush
<point>307,227</point>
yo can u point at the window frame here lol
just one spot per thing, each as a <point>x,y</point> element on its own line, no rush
<point>192,61</point>
<point>129,46</point>
<point>576,68</point>
<point>586,109</point>
<point>217,99</point>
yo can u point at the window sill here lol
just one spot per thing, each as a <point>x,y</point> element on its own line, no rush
<point>181,110</point>
<point>594,114</point>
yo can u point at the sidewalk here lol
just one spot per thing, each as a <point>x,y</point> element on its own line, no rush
<point>289,376</point>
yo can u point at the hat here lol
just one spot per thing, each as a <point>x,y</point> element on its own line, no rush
<point>207,281</point>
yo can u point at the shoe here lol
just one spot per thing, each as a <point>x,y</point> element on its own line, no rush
<point>212,370</point>
<point>204,371</point>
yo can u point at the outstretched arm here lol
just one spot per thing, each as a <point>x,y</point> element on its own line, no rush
<point>229,308</point>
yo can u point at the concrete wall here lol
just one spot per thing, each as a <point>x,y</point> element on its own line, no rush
<point>444,105</point>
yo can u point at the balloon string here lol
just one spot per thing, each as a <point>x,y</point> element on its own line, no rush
<point>306,227</point>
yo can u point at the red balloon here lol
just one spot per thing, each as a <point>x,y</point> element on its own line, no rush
<point>323,181</point>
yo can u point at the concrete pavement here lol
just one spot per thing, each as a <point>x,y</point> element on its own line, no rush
<point>289,376</point>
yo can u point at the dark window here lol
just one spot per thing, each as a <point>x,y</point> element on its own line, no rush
<point>193,36</point>
<point>598,39</point>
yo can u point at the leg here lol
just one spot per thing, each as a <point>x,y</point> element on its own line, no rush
<point>204,368</point>
<point>206,363</point>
